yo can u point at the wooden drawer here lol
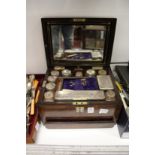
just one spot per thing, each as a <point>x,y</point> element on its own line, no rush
<point>80,111</point>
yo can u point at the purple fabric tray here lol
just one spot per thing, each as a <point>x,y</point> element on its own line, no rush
<point>78,84</point>
<point>81,56</point>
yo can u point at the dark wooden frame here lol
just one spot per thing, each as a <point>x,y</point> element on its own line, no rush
<point>47,22</point>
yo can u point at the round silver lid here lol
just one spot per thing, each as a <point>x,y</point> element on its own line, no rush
<point>90,72</point>
<point>51,78</point>
<point>59,68</point>
<point>66,72</point>
<point>102,72</point>
<point>48,95</point>
<point>55,73</point>
<point>50,86</point>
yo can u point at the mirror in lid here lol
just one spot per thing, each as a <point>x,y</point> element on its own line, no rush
<point>78,42</point>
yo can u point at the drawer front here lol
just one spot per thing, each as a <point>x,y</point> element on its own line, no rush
<point>80,112</point>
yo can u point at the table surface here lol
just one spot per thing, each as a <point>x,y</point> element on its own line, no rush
<point>95,136</point>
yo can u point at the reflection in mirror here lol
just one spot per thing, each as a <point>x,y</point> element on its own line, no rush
<point>78,42</point>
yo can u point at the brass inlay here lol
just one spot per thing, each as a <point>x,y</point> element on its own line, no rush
<point>79,103</point>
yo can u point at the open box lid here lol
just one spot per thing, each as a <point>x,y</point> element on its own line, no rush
<point>78,41</point>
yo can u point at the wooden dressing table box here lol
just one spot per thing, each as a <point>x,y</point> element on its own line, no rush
<point>79,89</point>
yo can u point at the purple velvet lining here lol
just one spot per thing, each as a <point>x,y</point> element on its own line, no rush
<point>80,84</point>
<point>81,56</point>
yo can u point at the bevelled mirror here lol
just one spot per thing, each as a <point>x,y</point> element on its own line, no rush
<point>78,42</point>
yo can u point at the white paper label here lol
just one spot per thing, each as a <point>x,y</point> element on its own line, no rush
<point>103,111</point>
<point>90,110</point>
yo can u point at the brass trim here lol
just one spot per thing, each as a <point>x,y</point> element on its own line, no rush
<point>79,103</point>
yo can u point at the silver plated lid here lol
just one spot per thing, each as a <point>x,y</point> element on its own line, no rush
<point>102,72</point>
<point>90,72</point>
<point>55,73</point>
<point>48,95</point>
<point>51,78</point>
<point>50,86</point>
<point>66,72</point>
<point>59,68</point>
